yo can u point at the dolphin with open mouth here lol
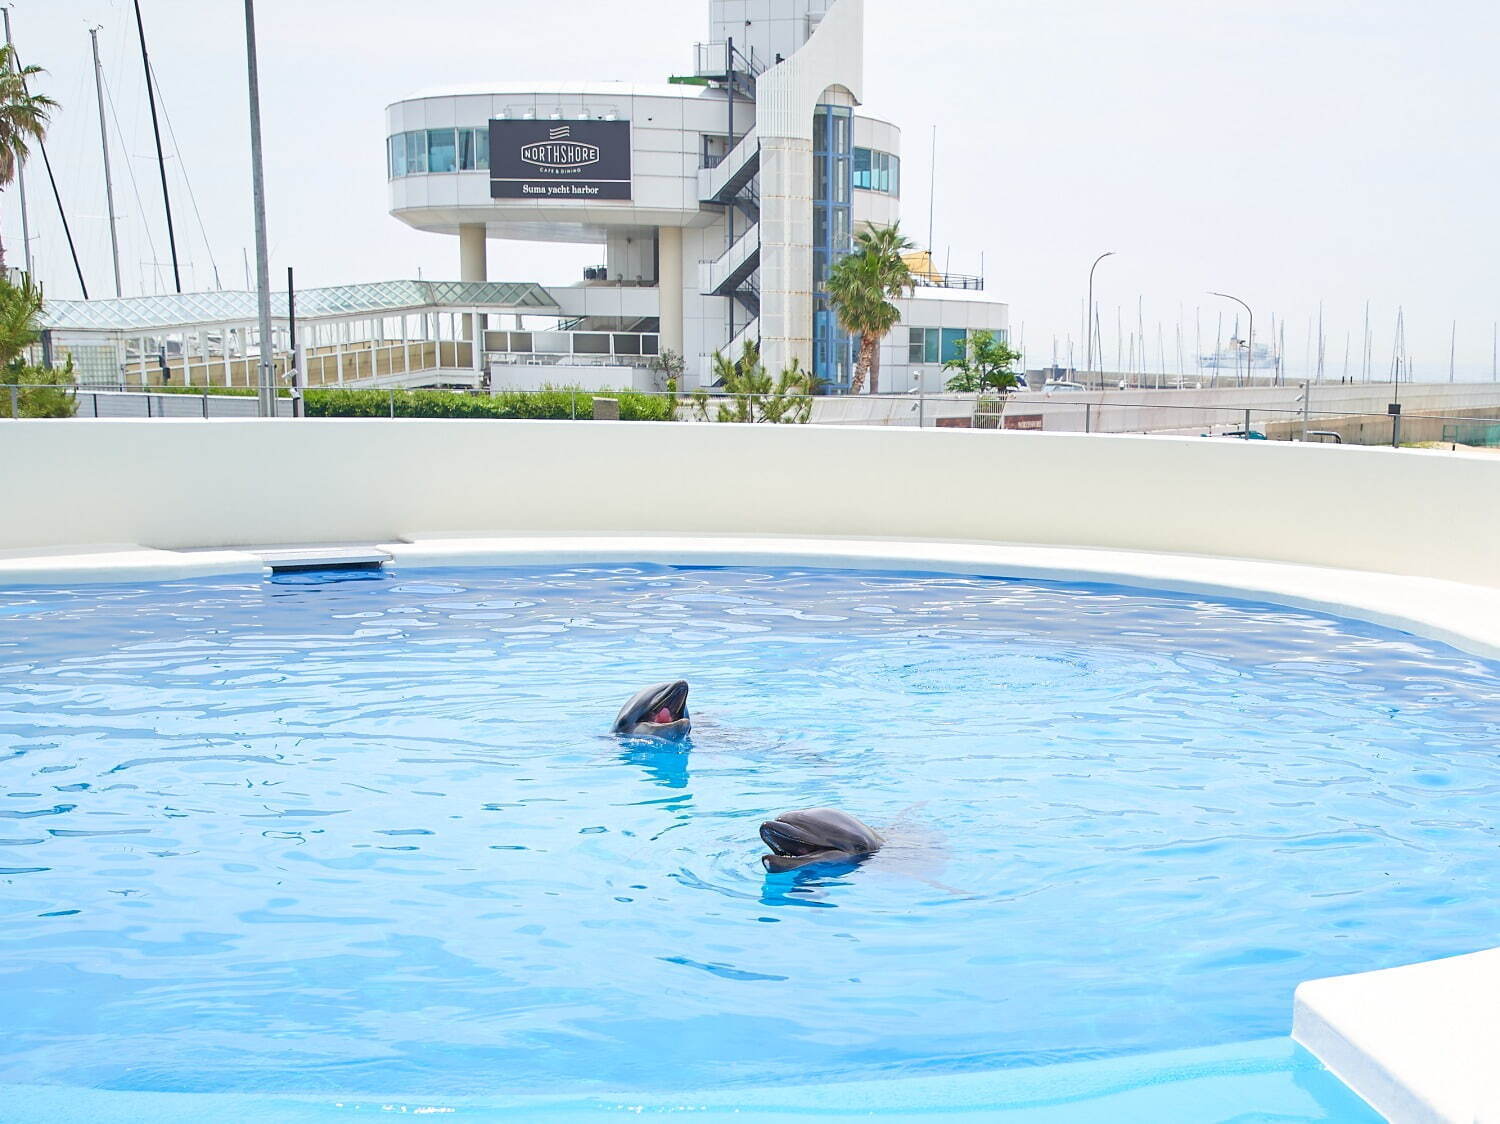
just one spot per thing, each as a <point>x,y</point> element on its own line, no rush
<point>656,712</point>
<point>823,835</point>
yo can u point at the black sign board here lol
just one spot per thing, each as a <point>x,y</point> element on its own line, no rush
<point>560,160</point>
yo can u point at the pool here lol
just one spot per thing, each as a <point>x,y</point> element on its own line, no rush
<point>366,833</point>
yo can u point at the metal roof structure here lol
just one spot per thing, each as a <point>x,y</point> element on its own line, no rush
<point>233,306</point>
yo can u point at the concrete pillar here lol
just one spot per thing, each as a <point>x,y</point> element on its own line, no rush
<point>669,286</point>
<point>786,252</point>
<point>473,264</point>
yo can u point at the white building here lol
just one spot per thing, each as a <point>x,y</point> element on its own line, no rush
<point>719,200</point>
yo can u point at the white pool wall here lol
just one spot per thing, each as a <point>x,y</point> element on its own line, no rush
<point>173,484</point>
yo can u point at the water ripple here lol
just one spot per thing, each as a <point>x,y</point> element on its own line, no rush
<point>372,835</point>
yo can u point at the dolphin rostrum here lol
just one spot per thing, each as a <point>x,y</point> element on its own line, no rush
<point>823,835</point>
<point>656,712</point>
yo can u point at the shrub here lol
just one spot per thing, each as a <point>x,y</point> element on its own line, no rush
<point>217,391</point>
<point>42,393</point>
<point>549,403</point>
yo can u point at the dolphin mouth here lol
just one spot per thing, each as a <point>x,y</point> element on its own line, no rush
<point>660,711</point>
<point>669,706</point>
<point>787,841</point>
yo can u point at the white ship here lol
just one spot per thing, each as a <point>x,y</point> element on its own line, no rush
<point>1231,357</point>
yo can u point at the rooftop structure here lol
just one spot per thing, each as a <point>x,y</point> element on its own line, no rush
<point>720,200</point>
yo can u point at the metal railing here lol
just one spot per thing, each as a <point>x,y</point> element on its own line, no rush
<point>720,60</point>
<point>948,281</point>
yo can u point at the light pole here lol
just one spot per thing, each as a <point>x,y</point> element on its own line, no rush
<point>1088,313</point>
<point>267,381</point>
<point>1250,343</point>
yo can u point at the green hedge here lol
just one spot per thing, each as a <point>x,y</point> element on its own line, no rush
<point>533,404</point>
<point>549,403</point>
<point>216,391</point>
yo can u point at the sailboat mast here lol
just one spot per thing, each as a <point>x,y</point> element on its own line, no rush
<point>1322,343</point>
<point>109,187</point>
<point>1119,340</point>
<point>1198,338</point>
<point>1219,348</point>
<point>161,160</point>
<point>1366,368</point>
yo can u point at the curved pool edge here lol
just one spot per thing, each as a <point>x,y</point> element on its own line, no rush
<point>1464,616</point>
<point>1273,1079</point>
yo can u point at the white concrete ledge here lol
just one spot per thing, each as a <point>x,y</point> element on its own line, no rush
<point>1420,1044</point>
<point>119,563</point>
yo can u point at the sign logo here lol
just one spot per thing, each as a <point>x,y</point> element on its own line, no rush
<point>559,152</point>
<point>584,159</point>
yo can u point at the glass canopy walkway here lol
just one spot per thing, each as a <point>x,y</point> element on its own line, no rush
<point>389,333</point>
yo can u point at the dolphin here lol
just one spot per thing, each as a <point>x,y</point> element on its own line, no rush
<point>656,712</point>
<point>823,835</point>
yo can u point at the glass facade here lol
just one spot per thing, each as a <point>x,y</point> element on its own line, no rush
<point>438,150</point>
<point>833,189</point>
<point>877,171</point>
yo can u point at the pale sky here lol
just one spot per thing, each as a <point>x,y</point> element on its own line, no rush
<point>1289,151</point>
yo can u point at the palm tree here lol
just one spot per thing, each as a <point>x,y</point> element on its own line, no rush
<point>754,396</point>
<point>861,286</point>
<point>23,118</point>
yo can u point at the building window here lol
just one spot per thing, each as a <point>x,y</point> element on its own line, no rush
<point>473,150</point>
<point>833,169</point>
<point>438,150</point>
<point>442,150</point>
<point>877,171</point>
<point>936,345</point>
<point>416,153</point>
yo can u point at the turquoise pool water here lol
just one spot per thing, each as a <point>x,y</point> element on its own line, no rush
<point>367,833</point>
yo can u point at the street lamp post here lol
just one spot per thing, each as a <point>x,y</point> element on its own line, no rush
<point>1250,343</point>
<point>267,380</point>
<point>1088,313</point>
